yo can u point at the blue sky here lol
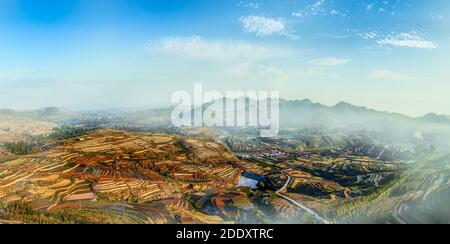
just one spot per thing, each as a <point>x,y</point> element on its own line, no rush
<point>90,54</point>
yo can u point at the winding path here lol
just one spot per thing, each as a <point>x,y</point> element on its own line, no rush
<point>294,202</point>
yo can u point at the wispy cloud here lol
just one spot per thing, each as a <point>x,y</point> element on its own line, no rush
<point>298,14</point>
<point>197,48</point>
<point>253,5</point>
<point>329,61</point>
<point>437,17</point>
<point>411,40</point>
<point>385,74</point>
<point>338,13</point>
<point>316,8</point>
<point>385,6</point>
<point>368,35</point>
<point>264,26</point>
<point>319,7</point>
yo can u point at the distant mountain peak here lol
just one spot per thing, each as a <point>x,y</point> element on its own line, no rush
<point>343,104</point>
<point>53,114</point>
<point>303,101</point>
<point>54,110</point>
<point>432,115</point>
<point>436,118</point>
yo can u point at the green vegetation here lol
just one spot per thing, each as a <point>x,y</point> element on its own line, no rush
<point>18,148</point>
<point>25,214</point>
<point>340,210</point>
<point>67,132</point>
<point>420,195</point>
<point>25,147</point>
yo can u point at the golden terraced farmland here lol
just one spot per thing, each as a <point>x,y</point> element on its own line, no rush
<point>108,171</point>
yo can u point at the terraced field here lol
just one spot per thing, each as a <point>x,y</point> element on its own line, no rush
<point>229,206</point>
<point>421,196</point>
<point>137,175</point>
<point>347,171</point>
<point>112,176</point>
<point>288,213</point>
<point>318,182</point>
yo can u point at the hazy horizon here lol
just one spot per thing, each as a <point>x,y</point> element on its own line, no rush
<point>90,55</point>
<point>167,106</point>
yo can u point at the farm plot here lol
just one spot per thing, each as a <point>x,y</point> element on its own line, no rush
<point>71,191</point>
<point>46,147</point>
<point>145,191</point>
<point>32,179</point>
<point>139,175</point>
<point>105,172</point>
<point>227,173</point>
<point>285,212</point>
<point>250,167</point>
<point>375,180</point>
<point>196,168</point>
<point>95,148</point>
<point>317,187</point>
<point>224,172</point>
<point>111,186</point>
<point>151,192</point>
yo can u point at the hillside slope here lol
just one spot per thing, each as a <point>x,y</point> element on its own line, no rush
<point>52,114</point>
<point>420,196</point>
<point>18,128</point>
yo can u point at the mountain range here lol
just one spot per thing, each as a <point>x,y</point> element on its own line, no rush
<point>51,114</point>
<point>294,114</point>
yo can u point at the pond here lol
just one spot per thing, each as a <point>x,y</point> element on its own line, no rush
<point>250,180</point>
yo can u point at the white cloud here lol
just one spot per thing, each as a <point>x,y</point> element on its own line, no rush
<point>335,36</point>
<point>386,74</point>
<point>368,35</point>
<point>320,8</point>
<point>263,26</point>
<point>297,14</point>
<point>220,51</point>
<point>338,13</point>
<point>317,8</point>
<point>328,61</point>
<point>437,17</point>
<point>411,40</point>
<point>253,5</point>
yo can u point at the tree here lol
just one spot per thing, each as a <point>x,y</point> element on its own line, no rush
<point>18,148</point>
